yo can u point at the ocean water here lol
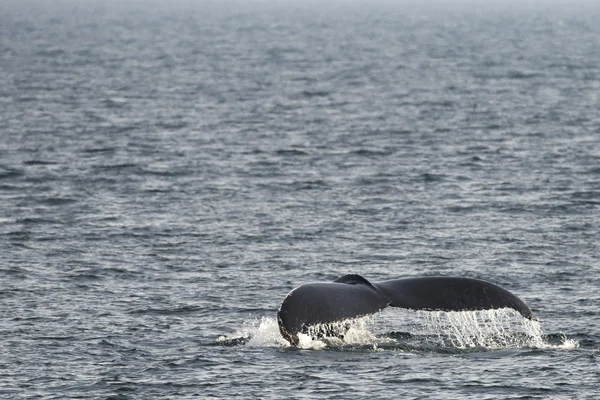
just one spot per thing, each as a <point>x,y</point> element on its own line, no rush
<point>169,171</point>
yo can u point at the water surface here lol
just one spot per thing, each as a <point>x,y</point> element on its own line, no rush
<point>169,172</point>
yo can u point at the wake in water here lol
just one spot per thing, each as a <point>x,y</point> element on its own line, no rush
<point>435,331</point>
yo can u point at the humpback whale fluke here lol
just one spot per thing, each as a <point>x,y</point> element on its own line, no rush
<point>352,296</point>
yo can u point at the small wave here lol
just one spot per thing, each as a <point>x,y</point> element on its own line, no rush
<point>171,125</point>
<point>38,162</point>
<point>166,311</point>
<point>114,102</point>
<point>93,150</point>
<point>375,153</point>
<point>431,177</point>
<point>315,93</point>
<point>36,221</point>
<point>518,74</point>
<point>58,201</point>
<point>115,167</point>
<point>50,52</point>
<point>438,331</point>
<point>8,173</point>
<point>292,152</point>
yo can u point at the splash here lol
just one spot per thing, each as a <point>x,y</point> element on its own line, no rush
<point>263,332</point>
<point>483,330</point>
<point>490,329</point>
<point>357,332</point>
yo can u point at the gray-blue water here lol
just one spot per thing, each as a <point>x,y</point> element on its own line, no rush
<point>169,171</point>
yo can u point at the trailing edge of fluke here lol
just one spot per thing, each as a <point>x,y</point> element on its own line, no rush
<point>352,296</point>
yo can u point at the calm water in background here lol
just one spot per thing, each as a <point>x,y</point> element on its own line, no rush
<point>169,172</point>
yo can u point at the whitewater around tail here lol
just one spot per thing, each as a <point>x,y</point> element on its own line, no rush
<point>411,331</point>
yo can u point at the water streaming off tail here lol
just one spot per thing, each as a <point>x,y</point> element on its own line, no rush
<point>485,329</point>
<point>408,330</point>
<point>490,329</point>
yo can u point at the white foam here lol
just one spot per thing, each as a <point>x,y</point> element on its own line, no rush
<point>307,342</point>
<point>263,332</point>
<point>351,332</point>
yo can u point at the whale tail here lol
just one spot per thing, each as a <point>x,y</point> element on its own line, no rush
<point>352,296</point>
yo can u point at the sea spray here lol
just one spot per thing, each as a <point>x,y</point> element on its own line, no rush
<point>350,332</point>
<point>259,332</point>
<point>490,329</point>
<point>484,329</point>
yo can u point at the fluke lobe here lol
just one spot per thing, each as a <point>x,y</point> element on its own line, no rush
<point>351,296</point>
